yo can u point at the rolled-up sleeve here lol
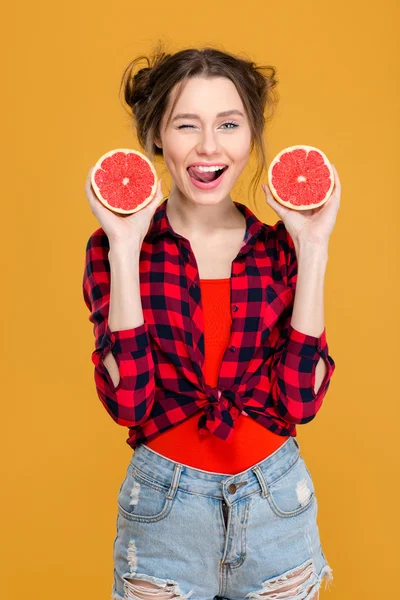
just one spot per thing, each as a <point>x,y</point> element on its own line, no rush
<point>296,355</point>
<point>129,403</point>
<point>293,375</point>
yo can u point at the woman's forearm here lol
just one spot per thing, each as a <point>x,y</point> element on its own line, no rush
<point>308,309</point>
<point>125,302</point>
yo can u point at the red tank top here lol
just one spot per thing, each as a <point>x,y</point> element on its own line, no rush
<point>252,442</point>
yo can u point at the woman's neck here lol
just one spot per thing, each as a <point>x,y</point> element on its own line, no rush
<point>201,220</point>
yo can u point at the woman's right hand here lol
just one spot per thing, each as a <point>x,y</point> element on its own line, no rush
<point>123,229</point>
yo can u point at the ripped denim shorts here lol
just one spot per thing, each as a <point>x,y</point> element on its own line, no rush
<point>183,532</point>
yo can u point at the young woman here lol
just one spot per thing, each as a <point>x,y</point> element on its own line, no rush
<point>210,346</point>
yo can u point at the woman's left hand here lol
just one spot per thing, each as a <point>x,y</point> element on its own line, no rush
<point>313,225</point>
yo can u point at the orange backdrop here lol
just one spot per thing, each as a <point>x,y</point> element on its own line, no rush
<point>63,458</point>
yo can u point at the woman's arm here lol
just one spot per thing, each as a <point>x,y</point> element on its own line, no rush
<point>112,294</point>
<point>308,307</point>
<point>125,303</point>
<point>301,367</point>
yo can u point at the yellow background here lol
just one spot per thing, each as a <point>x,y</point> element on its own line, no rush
<point>63,458</point>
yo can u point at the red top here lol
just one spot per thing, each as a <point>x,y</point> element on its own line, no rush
<point>252,442</point>
<point>268,368</point>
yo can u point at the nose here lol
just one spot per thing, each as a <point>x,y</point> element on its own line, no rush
<point>208,143</point>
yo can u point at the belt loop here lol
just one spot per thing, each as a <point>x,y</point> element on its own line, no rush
<point>296,442</point>
<point>258,473</point>
<point>175,481</point>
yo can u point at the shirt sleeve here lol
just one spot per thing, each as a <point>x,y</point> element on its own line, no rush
<point>131,401</point>
<point>295,359</point>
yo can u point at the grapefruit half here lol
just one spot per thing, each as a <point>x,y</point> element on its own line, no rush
<point>301,177</point>
<point>124,180</point>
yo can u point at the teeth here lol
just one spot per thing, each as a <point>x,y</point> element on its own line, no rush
<point>208,169</point>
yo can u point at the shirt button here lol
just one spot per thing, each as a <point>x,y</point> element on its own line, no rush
<point>232,348</point>
<point>235,308</point>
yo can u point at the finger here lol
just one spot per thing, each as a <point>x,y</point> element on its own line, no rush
<point>88,186</point>
<point>158,195</point>
<point>274,204</point>
<point>159,188</point>
<point>269,195</point>
<point>89,175</point>
<point>337,189</point>
<point>94,200</point>
<point>337,180</point>
<point>152,205</point>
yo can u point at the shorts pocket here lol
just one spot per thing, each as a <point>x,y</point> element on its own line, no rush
<point>293,492</point>
<point>142,498</point>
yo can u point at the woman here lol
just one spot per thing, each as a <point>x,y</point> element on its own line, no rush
<point>210,347</point>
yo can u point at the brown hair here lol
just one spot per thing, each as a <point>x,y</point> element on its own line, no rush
<point>148,90</point>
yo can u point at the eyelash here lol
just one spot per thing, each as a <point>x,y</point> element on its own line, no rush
<point>226,123</point>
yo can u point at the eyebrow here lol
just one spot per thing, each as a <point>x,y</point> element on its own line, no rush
<point>225,113</point>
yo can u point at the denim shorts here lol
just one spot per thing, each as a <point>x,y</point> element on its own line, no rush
<point>185,532</point>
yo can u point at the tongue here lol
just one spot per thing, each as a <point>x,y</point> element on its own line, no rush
<point>204,177</point>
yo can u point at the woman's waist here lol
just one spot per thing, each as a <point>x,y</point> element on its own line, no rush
<point>250,444</point>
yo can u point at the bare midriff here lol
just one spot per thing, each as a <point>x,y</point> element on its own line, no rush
<point>252,442</point>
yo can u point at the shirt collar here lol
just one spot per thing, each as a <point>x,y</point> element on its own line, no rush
<point>254,227</point>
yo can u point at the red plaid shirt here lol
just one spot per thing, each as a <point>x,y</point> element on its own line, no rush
<point>268,369</point>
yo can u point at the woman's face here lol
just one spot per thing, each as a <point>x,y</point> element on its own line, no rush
<point>208,138</point>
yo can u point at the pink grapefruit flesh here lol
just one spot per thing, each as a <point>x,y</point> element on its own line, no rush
<point>301,177</point>
<point>124,180</point>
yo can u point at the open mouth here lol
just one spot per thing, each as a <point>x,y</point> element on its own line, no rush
<point>205,177</point>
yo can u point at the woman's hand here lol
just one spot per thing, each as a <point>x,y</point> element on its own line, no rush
<point>314,225</point>
<point>129,229</point>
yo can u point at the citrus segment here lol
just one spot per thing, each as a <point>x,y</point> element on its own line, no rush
<point>124,180</point>
<point>301,177</point>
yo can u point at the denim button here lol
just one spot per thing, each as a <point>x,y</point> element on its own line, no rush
<point>231,488</point>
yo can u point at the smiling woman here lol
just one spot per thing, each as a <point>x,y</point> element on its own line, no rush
<point>233,100</point>
<point>212,379</point>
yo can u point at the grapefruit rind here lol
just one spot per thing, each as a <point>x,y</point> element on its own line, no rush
<point>290,204</point>
<point>97,190</point>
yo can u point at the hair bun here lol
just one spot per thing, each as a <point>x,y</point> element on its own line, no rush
<point>142,73</point>
<point>140,88</point>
